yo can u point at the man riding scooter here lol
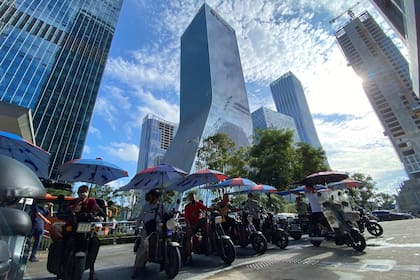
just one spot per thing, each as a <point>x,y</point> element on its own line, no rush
<point>316,216</point>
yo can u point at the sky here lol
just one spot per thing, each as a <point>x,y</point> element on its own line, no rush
<point>142,76</point>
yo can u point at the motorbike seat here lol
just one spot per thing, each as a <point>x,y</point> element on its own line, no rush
<point>14,222</point>
<point>4,258</point>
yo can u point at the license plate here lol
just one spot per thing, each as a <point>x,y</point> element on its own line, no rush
<point>218,220</point>
<point>295,227</point>
<point>83,227</point>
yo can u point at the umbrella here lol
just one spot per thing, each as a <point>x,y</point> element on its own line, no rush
<point>94,171</point>
<point>234,182</point>
<point>18,180</point>
<point>257,188</point>
<point>346,183</point>
<point>201,177</point>
<point>323,178</point>
<point>155,176</point>
<point>300,189</point>
<point>34,157</point>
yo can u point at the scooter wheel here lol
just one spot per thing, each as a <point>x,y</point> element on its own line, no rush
<point>375,229</point>
<point>358,241</point>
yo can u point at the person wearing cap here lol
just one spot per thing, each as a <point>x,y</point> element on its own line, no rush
<point>316,216</point>
<point>149,217</point>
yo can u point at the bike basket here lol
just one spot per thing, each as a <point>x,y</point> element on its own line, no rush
<point>83,227</point>
<point>218,220</point>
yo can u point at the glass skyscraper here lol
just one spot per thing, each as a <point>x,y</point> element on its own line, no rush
<point>386,82</point>
<point>52,57</point>
<point>156,137</point>
<point>213,95</point>
<point>265,118</point>
<point>404,17</point>
<point>290,100</point>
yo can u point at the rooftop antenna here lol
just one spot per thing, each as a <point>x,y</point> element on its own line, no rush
<point>349,12</point>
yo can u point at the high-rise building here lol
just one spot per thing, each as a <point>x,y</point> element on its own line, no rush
<point>156,137</point>
<point>290,100</point>
<point>404,17</point>
<point>265,118</point>
<point>386,82</point>
<point>52,57</point>
<point>213,95</point>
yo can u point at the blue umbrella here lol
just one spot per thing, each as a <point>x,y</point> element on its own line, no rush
<point>32,156</point>
<point>300,189</point>
<point>234,182</point>
<point>153,177</point>
<point>201,177</point>
<point>94,171</point>
<point>257,188</point>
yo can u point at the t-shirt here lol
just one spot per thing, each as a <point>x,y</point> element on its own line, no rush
<point>253,207</point>
<point>37,222</point>
<point>89,206</point>
<point>192,212</point>
<point>313,201</point>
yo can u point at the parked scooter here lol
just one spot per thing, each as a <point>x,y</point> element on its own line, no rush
<point>245,233</point>
<point>273,233</point>
<point>212,239</point>
<point>298,227</point>
<point>341,220</point>
<point>163,249</point>
<point>372,226</point>
<point>76,251</point>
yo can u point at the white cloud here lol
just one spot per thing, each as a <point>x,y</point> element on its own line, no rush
<point>273,37</point>
<point>123,151</point>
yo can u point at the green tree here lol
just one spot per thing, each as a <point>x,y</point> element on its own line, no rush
<point>273,158</point>
<point>384,201</point>
<point>215,152</point>
<point>364,194</point>
<point>308,160</point>
<point>238,163</point>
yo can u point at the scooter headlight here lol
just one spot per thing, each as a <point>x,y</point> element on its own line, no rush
<point>171,224</point>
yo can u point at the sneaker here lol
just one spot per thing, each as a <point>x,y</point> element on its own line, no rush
<point>33,259</point>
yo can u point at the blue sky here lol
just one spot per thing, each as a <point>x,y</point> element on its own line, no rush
<point>142,76</point>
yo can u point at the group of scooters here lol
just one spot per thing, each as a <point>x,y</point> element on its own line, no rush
<point>345,225</point>
<point>212,238</point>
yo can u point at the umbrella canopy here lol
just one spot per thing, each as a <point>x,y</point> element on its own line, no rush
<point>153,177</point>
<point>234,182</point>
<point>201,177</point>
<point>257,188</point>
<point>323,178</point>
<point>32,156</point>
<point>94,171</point>
<point>346,183</point>
<point>300,189</point>
<point>18,180</point>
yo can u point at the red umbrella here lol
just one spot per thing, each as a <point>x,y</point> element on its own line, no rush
<point>350,183</point>
<point>201,177</point>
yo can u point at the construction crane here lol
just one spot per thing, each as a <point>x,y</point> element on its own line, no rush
<point>349,12</point>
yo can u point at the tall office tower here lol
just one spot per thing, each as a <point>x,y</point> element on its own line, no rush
<point>404,17</point>
<point>213,95</point>
<point>156,137</point>
<point>52,57</point>
<point>265,118</point>
<point>290,100</point>
<point>385,78</point>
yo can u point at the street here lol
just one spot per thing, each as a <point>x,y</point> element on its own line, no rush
<point>395,255</point>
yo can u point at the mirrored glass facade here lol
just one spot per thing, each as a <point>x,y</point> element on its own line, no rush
<point>156,137</point>
<point>386,82</point>
<point>290,100</point>
<point>264,118</point>
<point>213,95</point>
<point>52,57</point>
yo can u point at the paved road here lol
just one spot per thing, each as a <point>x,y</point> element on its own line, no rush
<point>395,255</point>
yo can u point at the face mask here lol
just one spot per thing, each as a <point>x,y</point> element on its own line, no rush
<point>83,194</point>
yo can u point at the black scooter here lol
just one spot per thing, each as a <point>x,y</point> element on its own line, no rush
<point>273,233</point>
<point>372,226</point>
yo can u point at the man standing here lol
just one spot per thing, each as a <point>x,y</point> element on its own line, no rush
<point>39,218</point>
<point>252,207</point>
